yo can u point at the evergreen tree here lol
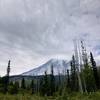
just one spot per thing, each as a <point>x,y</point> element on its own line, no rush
<point>23,86</point>
<point>95,72</point>
<point>11,83</point>
<point>0,80</point>
<point>13,88</point>
<point>17,84</point>
<point>1,85</point>
<point>89,78</point>
<point>41,89</point>
<point>68,79</point>
<point>59,79</point>
<point>52,81</point>
<point>32,86</point>
<point>6,78</point>
<point>44,85</point>
<point>74,77</point>
<point>59,85</point>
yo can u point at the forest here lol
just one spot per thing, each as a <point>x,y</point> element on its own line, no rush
<point>80,82</point>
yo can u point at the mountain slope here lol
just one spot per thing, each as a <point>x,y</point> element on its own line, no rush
<point>59,66</point>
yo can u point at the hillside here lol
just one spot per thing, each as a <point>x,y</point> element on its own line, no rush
<point>59,66</point>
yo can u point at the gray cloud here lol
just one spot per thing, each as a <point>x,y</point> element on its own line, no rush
<point>33,31</point>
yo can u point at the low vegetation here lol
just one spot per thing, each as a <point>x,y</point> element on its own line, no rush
<point>74,96</point>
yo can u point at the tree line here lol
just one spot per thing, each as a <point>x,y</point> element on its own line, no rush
<point>87,80</point>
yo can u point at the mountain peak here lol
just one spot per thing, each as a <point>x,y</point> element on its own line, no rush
<point>59,66</point>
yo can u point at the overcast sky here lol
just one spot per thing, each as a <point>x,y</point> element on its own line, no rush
<point>34,31</point>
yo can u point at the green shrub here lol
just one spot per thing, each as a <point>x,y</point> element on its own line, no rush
<point>13,89</point>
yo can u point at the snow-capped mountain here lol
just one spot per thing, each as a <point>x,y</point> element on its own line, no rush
<point>59,66</point>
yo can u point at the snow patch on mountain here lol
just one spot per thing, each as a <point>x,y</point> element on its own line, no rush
<point>59,66</point>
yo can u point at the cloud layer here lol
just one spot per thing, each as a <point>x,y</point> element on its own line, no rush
<point>33,31</point>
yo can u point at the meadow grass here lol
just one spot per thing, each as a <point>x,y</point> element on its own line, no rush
<point>74,96</point>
